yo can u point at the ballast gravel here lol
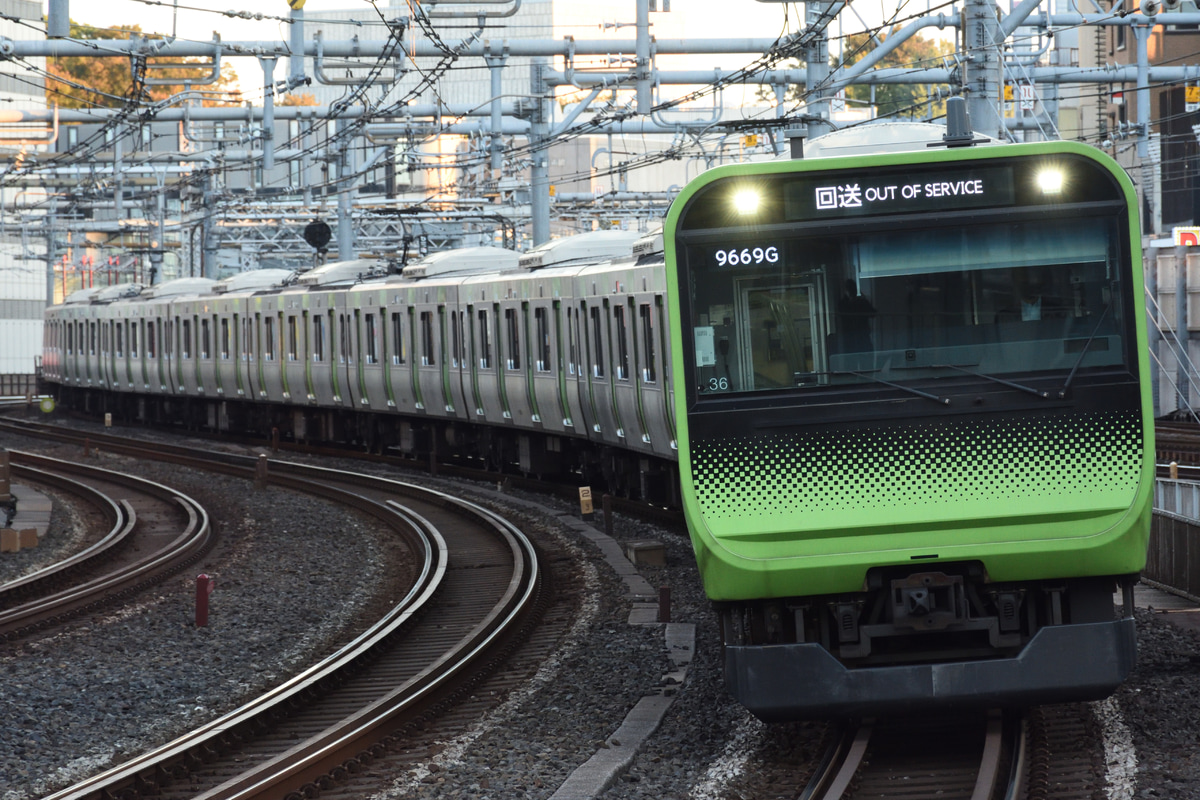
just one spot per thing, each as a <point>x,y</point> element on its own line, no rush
<point>75,703</point>
<point>292,574</point>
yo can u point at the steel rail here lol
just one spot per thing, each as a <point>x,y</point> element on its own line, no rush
<point>119,516</point>
<point>327,752</point>
<point>219,732</point>
<point>871,761</point>
<point>195,539</point>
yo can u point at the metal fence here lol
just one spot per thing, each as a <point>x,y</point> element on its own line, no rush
<point>18,385</point>
<point>1174,556</point>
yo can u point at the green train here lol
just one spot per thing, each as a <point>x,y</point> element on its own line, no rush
<point>914,420</point>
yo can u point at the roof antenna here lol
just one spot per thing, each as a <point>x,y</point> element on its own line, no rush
<point>958,126</point>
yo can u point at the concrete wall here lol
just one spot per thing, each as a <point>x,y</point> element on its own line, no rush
<point>22,261</point>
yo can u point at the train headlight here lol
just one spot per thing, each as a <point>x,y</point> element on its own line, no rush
<point>746,201</point>
<point>1050,181</point>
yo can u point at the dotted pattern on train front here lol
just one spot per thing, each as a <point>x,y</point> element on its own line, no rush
<point>1040,463</point>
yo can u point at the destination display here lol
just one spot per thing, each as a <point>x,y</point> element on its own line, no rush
<point>864,194</point>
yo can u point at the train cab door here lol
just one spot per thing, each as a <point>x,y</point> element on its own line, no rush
<point>294,335</point>
<point>138,328</point>
<point>324,384</point>
<point>642,397</point>
<point>776,339</point>
<point>485,366</point>
<point>272,358</point>
<point>458,363</point>
<point>427,375</point>
<point>349,357</point>
<point>348,354</point>
<point>626,375</point>
<point>515,391</point>
<point>247,355</point>
<point>104,367</point>
<point>156,354</point>
<point>597,329</point>
<point>579,392</point>
<point>544,369</point>
<point>565,370</point>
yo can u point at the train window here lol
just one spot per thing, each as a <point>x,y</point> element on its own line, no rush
<point>597,343</point>
<point>247,339</point>
<point>185,340</point>
<point>133,338</point>
<point>647,321</point>
<point>514,338</point>
<point>151,343</point>
<point>120,345</point>
<point>344,355</point>
<point>70,339</point>
<point>293,339</point>
<point>572,338</point>
<point>91,338</point>
<point>397,338</point>
<point>205,339</point>
<point>318,330</point>
<point>225,340</point>
<point>372,353</point>
<point>485,341</point>
<point>622,365</point>
<point>268,349</point>
<point>455,340</point>
<point>541,328</point>
<point>878,304</point>
<point>427,353</point>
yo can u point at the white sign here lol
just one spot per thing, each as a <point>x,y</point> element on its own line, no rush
<point>1028,98</point>
<point>706,350</point>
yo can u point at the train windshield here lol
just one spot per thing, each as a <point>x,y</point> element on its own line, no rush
<point>899,304</point>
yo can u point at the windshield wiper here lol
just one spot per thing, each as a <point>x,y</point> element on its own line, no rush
<point>994,379</point>
<point>1083,352</point>
<point>945,401</point>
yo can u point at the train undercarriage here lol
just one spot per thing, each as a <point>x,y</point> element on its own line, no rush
<point>915,636</point>
<point>423,440</point>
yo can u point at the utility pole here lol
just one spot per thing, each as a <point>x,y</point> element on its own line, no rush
<point>345,180</point>
<point>983,74</point>
<point>816,56</point>
<point>1141,35</point>
<point>539,141</point>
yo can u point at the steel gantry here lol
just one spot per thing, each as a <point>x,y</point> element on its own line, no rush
<point>247,178</point>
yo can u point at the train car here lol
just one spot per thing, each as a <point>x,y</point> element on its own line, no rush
<point>475,354</point>
<point>914,420</point>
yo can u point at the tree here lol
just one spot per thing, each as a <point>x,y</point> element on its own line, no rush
<point>85,81</point>
<point>899,99</point>
<point>302,99</point>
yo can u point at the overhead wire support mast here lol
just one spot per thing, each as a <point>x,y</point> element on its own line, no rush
<point>983,75</point>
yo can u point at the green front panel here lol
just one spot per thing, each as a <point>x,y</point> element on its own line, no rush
<point>818,483</point>
<point>780,506</point>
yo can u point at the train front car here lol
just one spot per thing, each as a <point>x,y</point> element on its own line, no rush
<point>915,432</point>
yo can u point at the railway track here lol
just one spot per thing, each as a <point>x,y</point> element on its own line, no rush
<point>932,758</point>
<point>480,591</point>
<point>171,530</point>
<point>1045,752</point>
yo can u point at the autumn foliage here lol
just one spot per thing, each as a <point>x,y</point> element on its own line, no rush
<point>87,82</point>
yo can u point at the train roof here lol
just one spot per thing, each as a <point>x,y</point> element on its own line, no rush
<point>596,245</point>
<point>180,286</point>
<point>649,245</point>
<point>353,271</point>
<point>82,295</point>
<point>882,137</point>
<point>252,280</point>
<point>464,260</point>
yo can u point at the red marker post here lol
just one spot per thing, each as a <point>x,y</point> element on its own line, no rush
<point>204,587</point>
